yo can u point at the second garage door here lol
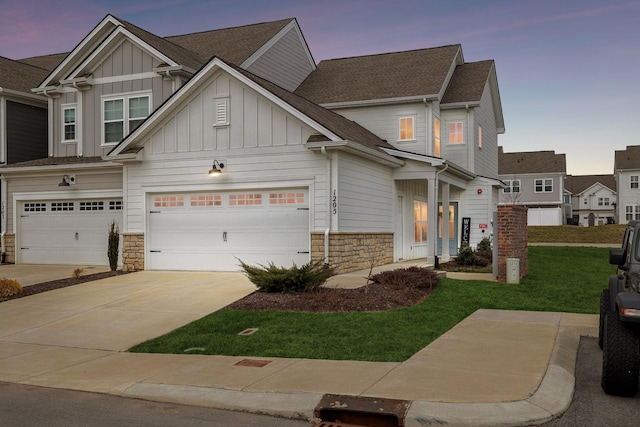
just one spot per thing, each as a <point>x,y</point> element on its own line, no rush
<point>214,230</point>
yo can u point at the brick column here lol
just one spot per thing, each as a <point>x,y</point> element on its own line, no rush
<point>10,247</point>
<point>133,251</point>
<point>512,239</point>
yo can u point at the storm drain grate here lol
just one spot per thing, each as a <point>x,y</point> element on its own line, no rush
<point>351,411</point>
<point>253,363</point>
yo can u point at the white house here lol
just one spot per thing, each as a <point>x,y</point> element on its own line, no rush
<point>593,199</point>
<point>627,173</point>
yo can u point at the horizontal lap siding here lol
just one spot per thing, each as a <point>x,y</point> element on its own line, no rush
<point>486,158</point>
<point>365,195</point>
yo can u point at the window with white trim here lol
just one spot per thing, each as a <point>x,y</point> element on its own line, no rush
<point>512,186</point>
<point>420,217</point>
<point>603,201</point>
<point>543,185</point>
<point>406,128</point>
<point>221,112</point>
<point>456,135</point>
<point>436,137</point>
<point>68,123</point>
<point>633,181</point>
<point>628,212</point>
<point>122,115</point>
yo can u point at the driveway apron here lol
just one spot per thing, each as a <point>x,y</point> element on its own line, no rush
<point>119,312</point>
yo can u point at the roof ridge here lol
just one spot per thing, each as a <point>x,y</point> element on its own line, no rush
<point>226,28</point>
<point>18,61</point>
<point>393,53</point>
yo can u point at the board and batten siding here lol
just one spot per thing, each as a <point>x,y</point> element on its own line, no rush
<point>486,158</point>
<point>384,121</point>
<point>47,184</point>
<point>365,195</point>
<point>126,60</point>
<point>286,63</point>
<point>262,147</point>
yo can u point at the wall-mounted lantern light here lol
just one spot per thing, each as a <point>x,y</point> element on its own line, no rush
<point>216,168</point>
<point>67,180</point>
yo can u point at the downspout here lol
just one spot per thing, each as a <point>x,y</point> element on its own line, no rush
<point>3,189</point>
<point>323,150</point>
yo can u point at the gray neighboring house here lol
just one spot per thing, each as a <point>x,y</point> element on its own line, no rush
<point>593,199</point>
<point>627,174</point>
<point>534,179</point>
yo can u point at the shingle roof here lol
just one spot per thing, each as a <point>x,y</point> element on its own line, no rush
<point>390,75</point>
<point>468,82</point>
<point>628,158</point>
<point>531,162</point>
<point>576,184</point>
<point>48,62</point>
<point>234,44</point>
<point>55,161</point>
<point>19,76</point>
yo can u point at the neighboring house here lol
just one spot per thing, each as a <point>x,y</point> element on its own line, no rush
<point>534,179</point>
<point>627,174</point>
<point>23,118</point>
<point>140,123</point>
<point>593,199</point>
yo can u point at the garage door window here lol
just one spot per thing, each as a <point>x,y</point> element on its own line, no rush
<point>35,207</point>
<point>168,201</point>
<point>61,206</point>
<point>247,199</point>
<point>206,200</point>
<point>115,205</point>
<point>289,198</point>
<point>91,206</point>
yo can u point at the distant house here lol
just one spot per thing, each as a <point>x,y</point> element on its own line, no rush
<point>534,179</point>
<point>593,199</point>
<point>627,174</point>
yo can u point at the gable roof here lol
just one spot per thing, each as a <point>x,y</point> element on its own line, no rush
<point>531,162</point>
<point>468,82</point>
<point>628,158</point>
<point>336,126</point>
<point>577,184</point>
<point>416,73</point>
<point>48,62</point>
<point>18,76</point>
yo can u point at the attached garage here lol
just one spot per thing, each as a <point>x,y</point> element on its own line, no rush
<point>73,232</point>
<point>213,230</point>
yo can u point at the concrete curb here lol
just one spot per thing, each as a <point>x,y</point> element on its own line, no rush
<point>550,399</point>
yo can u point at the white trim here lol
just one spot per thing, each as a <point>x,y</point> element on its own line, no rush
<point>413,118</point>
<point>63,108</point>
<point>3,130</point>
<point>125,97</point>
<point>124,78</point>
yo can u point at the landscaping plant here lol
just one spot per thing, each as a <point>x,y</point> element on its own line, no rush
<point>113,244</point>
<point>9,287</point>
<point>272,278</point>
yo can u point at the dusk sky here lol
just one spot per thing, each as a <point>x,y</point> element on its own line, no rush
<point>568,70</point>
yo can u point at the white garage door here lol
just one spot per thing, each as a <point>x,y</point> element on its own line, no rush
<point>66,231</point>
<point>213,230</point>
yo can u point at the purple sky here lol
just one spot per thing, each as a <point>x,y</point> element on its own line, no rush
<point>568,71</point>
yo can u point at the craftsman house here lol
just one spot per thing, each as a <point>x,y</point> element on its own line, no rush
<point>534,179</point>
<point>593,199</point>
<point>212,147</point>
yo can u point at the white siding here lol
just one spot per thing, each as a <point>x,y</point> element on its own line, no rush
<point>479,207</point>
<point>456,153</point>
<point>627,196</point>
<point>365,195</point>
<point>486,158</point>
<point>286,63</point>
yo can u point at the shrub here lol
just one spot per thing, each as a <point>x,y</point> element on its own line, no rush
<point>413,276</point>
<point>484,245</point>
<point>77,273</point>
<point>466,256</point>
<point>9,287</point>
<point>272,278</point>
<point>484,252</point>
<point>112,245</point>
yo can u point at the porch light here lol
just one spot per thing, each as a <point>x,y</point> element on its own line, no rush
<point>216,168</point>
<point>66,181</point>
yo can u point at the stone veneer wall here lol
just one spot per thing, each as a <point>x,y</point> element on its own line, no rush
<point>353,251</point>
<point>133,251</point>
<point>512,239</point>
<point>10,248</point>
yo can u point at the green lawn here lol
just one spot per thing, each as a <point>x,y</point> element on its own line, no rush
<point>560,279</point>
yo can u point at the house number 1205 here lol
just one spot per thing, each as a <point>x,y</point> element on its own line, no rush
<point>334,203</point>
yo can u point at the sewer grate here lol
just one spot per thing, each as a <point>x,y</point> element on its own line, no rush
<point>253,363</point>
<point>360,411</point>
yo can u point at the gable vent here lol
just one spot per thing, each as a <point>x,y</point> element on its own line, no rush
<point>221,112</point>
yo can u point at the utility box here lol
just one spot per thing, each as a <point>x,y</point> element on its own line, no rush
<point>513,270</point>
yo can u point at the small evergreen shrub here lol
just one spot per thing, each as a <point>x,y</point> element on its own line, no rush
<point>272,278</point>
<point>113,244</point>
<point>466,256</point>
<point>484,252</point>
<point>420,277</point>
<point>9,287</point>
<point>484,245</point>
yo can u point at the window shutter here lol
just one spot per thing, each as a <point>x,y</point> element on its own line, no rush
<point>221,112</point>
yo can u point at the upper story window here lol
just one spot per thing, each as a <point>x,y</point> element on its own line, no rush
<point>512,186</point>
<point>456,135</point>
<point>633,181</point>
<point>122,115</point>
<point>603,201</point>
<point>480,137</point>
<point>543,185</point>
<point>436,137</point>
<point>68,123</point>
<point>407,129</point>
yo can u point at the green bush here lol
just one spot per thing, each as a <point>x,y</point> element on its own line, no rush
<point>9,287</point>
<point>484,254</point>
<point>484,245</point>
<point>420,277</point>
<point>466,256</point>
<point>272,278</point>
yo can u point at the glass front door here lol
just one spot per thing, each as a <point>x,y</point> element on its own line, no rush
<point>451,221</point>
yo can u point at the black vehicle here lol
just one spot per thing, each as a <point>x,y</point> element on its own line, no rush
<point>619,331</point>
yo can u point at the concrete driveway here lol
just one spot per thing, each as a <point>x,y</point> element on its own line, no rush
<point>118,312</point>
<point>30,274</point>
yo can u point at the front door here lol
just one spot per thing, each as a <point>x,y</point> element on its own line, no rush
<point>451,221</point>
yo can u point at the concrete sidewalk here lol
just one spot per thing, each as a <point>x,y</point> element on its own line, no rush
<point>493,368</point>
